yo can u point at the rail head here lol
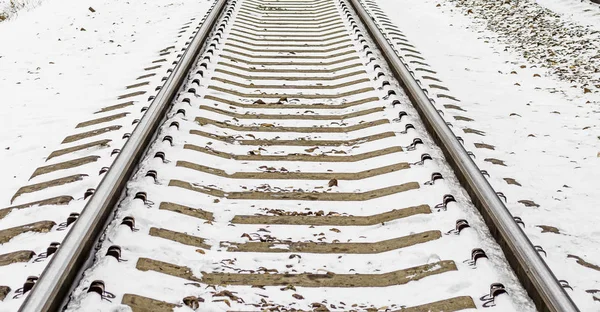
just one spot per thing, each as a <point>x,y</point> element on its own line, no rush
<point>536,277</point>
<point>54,285</point>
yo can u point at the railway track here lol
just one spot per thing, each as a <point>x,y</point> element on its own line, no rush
<point>283,168</point>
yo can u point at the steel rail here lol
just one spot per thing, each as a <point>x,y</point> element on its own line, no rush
<point>539,281</point>
<point>52,289</point>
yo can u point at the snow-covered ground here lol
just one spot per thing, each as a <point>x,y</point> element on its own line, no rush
<point>63,60</point>
<point>540,119</point>
<point>60,63</point>
<point>10,8</point>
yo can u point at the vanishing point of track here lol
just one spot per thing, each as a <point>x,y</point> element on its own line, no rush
<point>291,162</point>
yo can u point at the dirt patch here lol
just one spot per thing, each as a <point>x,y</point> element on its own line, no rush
<point>462,118</point>
<point>301,142</point>
<point>495,161</point>
<point>483,145</point>
<point>271,128</point>
<point>295,87</point>
<point>474,131</point>
<point>528,203</point>
<point>64,165</point>
<point>297,195</point>
<point>340,95</point>
<point>137,85</point>
<point>188,211</point>
<point>60,200</point>
<point>341,248</point>
<point>44,185</point>
<point>584,263</point>
<point>17,256</point>
<point>145,264</point>
<point>114,107</point>
<point>4,291</point>
<point>99,144</point>
<point>549,229</point>
<point>252,69</point>
<point>278,105</point>
<point>294,117</point>
<point>349,176</point>
<point>101,120</point>
<point>38,227</point>
<point>311,51</point>
<point>296,157</point>
<point>456,107</point>
<point>511,181</point>
<point>182,238</point>
<point>398,277</point>
<point>132,94</point>
<point>144,304</point>
<point>334,220</point>
<point>89,134</point>
<point>448,305</point>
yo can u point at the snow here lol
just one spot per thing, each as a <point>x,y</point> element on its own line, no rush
<point>545,129</point>
<point>585,13</point>
<point>172,289</point>
<point>54,75</point>
<point>11,8</point>
<point>60,62</point>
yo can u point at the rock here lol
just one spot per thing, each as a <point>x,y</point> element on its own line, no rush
<point>495,161</point>
<point>512,181</point>
<point>548,229</point>
<point>192,302</point>
<point>4,290</point>
<point>483,145</point>
<point>528,203</point>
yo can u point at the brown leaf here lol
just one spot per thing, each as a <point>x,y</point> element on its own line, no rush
<point>298,296</point>
<point>200,251</point>
<point>259,102</point>
<point>549,229</point>
<point>528,203</point>
<point>192,302</point>
<point>312,149</point>
<point>267,125</point>
<point>226,293</point>
<point>512,181</point>
<point>495,161</point>
<point>288,287</point>
<point>335,230</point>
<point>333,182</point>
